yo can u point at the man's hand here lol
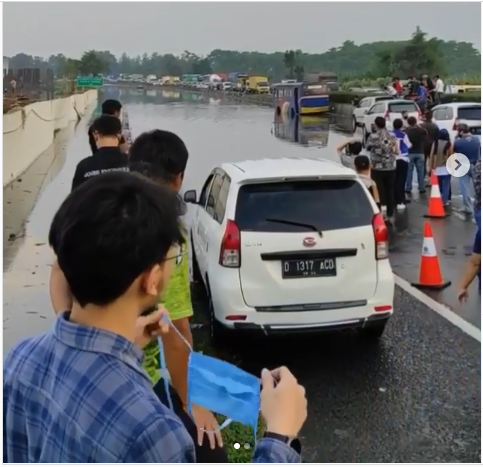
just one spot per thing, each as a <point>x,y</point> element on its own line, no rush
<point>150,326</point>
<point>206,423</point>
<point>463,295</point>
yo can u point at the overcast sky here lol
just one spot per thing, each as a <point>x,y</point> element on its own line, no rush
<point>71,28</point>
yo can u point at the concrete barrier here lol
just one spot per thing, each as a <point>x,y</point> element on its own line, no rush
<point>28,132</point>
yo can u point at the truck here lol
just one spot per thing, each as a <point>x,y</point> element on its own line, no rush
<point>258,85</point>
<point>239,80</point>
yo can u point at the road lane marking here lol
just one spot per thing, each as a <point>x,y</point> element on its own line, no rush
<point>441,310</point>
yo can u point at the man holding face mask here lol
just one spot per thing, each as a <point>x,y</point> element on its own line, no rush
<point>78,393</point>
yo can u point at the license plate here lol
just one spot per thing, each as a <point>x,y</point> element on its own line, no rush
<point>296,269</point>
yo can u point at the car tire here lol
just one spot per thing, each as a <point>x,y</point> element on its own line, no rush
<point>354,124</point>
<point>374,331</point>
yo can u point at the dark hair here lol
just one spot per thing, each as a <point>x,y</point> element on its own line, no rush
<point>361,163</point>
<point>397,124</point>
<point>380,122</point>
<point>106,125</point>
<point>436,76</point>
<point>92,140</point>
<point>111,106</point>
<point>354,148</point>
<point>412,121</point>
<point>110,230</point>
<point>155,173</point>
<point>163,150</point>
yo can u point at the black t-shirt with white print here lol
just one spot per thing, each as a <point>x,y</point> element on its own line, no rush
<point>106,159</point>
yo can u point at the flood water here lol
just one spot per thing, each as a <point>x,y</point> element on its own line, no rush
<point>214,132</point>
<point>414,398</point>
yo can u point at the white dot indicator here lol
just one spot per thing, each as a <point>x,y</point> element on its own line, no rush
<point>246,446</point>
<point>236,445</point>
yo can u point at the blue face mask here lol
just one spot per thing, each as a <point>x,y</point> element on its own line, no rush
<point>219,387</point>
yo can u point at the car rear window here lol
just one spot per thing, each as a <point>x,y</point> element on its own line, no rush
<point>469,113</point>
<point>383,98</point>
<point>400,107</point>
<point>326,205</point>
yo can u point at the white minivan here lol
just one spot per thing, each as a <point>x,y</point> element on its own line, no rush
<point>291,245</point>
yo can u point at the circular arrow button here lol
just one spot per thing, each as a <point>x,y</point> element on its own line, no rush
<point>458,165</point>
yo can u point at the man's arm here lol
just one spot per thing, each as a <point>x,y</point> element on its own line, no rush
<point>59,290</point>
<point>164,441</point>
<point>78,179</point>
<point>177,353</point>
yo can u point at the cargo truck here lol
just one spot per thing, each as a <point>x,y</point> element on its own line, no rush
<point>258,85</point>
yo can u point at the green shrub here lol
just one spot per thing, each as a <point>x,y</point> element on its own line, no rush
<point>341,97</point>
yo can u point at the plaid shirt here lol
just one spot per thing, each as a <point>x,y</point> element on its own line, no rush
<point>78,394</point>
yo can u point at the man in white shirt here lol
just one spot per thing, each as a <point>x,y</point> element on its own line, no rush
<point>438,88</point>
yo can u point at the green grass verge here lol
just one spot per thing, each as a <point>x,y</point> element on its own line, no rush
<point>235,432</point>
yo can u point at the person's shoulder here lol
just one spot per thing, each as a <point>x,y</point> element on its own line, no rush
<point>24,356</point>
<point>85,163</point>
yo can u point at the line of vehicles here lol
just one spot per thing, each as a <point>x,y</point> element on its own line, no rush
<point>446,116</point>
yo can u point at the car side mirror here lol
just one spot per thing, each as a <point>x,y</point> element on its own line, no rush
<point>366,111</point>
<point>190,197</point>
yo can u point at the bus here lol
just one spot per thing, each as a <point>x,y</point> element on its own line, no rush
<point>300,99</point>
<point>312,130</point>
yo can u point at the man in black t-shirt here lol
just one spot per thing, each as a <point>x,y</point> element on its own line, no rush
<point>418,137</point>
<point>106,132</point>
<point>114,108</point>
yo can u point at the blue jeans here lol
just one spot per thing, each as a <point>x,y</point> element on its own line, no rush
<point>444,182</point>
<point>416,160</point>
<point>465,188</point>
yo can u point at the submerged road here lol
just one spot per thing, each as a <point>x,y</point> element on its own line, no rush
<point>414,398</point>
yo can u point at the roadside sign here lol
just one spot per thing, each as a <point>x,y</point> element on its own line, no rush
<point>89,81</point>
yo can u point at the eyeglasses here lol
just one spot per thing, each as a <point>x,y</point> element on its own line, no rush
<point>177,253</point>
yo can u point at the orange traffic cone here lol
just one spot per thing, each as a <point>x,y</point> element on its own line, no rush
<point>435,206</point>
<point>430,276</point>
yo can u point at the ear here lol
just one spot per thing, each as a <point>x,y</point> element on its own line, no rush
<point>151,279</point>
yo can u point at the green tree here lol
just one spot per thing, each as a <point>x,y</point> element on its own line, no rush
<point>92,63</point>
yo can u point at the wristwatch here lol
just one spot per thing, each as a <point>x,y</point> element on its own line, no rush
<point>294,443</point>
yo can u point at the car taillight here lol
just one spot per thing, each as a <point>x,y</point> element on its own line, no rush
<point>381,236</point>
<point>386,115</point>
<point>455,125</point>
<point>230,246</point>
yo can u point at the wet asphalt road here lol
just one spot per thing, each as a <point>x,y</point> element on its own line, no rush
<point>415,398</point>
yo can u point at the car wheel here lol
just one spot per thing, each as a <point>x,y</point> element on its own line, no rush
<point>354,124</point>
<point>374,331</point>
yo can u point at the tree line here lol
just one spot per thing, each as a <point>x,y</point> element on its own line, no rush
<point>419,54</point>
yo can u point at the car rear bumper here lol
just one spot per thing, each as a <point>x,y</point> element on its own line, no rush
<point>274,329</point>
<point>232,312</point>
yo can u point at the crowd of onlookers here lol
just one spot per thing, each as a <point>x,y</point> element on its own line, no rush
<point>420,147</point>
<point>425,91</point>
<point>392,157</point>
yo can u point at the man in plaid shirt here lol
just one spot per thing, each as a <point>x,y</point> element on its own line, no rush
<point>79,394</point>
